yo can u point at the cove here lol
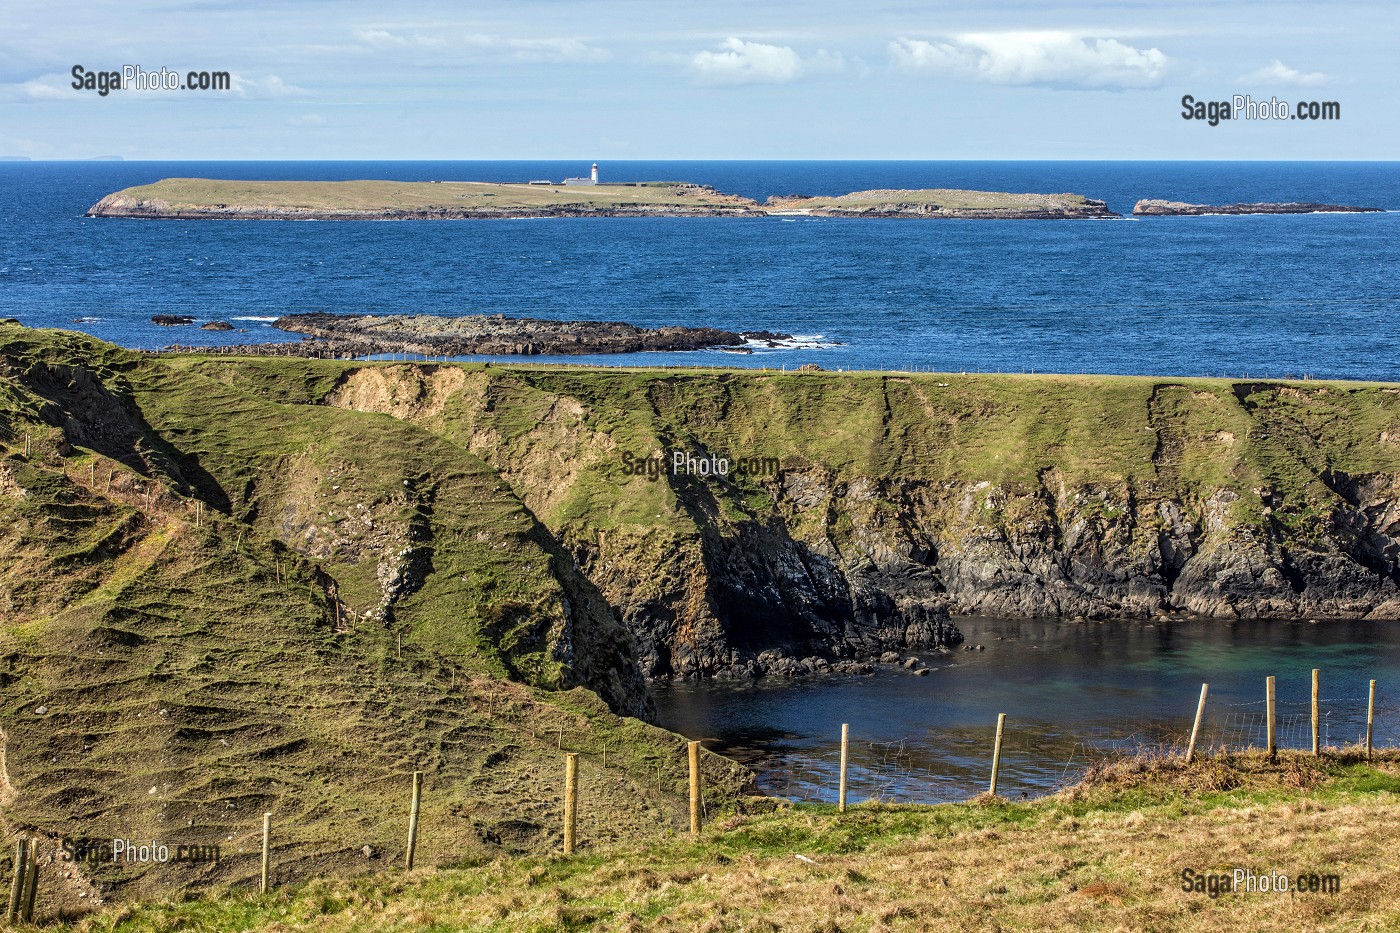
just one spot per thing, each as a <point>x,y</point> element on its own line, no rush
<point>1073,694</point>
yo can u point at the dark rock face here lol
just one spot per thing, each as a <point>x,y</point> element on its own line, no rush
<point>216,325</point>
<point>752,601</point>
<point>1154,208</point>
<point>171,320</point>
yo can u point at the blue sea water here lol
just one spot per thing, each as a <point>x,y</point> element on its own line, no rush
<point>1256,295</point>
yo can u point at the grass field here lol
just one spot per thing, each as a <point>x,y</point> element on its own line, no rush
<point>950,199</point>
<point>380,196</point>
<point>1105,855</point>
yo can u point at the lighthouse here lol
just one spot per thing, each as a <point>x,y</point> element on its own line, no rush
<point>594,176</point>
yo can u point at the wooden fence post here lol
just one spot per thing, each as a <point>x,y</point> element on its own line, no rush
<point>266,850</point>
<point>31,882</point>
<point>570,800</point>
<point>1196,729</point>
<point>845,736</point>
<point>21,863</point>
<point>1370,717</point>
<point>996,753</point>
<point>413,818</point>
<point>694,788</point>
<point>1269,718</point>
<point>1316,719</point>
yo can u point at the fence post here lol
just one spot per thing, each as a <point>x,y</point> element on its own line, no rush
<point>1269,717</point>
<point>996,753</point>
<point>1316,719</point>
<point>266,850</point>
<point>694,788</point>
<point>845,736</point>
<point>17,883</point>
<point>1196,729</point>
<point>413,818</point>
<point>1370,717</point>
<point>570,800</point>
<point>31,882</point>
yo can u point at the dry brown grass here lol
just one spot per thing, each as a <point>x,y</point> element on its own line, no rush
<point>1106,855</point>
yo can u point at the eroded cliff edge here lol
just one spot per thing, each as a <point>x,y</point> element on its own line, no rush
<point>876,505</point>
<point>861,512</point>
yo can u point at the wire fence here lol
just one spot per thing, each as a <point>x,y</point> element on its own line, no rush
<point>1041,756</point>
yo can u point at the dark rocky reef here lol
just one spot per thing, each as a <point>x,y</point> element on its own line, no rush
<point>336,336</point>
<point>1155,208</point>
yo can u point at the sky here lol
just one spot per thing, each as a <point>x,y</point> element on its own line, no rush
<point>676,79</point>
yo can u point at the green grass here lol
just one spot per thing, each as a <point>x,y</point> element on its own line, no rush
<point>208,194</point>
<point>1102,855</point>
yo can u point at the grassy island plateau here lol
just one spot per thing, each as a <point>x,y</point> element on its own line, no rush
<point>204,198</point>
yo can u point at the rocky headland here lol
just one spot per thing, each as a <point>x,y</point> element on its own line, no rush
<point>1155,208</point>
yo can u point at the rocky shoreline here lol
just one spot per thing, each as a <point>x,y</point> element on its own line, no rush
<point>337,336</point>
<point>1155,208</point>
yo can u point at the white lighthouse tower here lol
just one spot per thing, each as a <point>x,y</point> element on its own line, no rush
<point>594,176</point>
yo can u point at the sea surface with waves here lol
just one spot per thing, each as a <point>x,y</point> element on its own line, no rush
<point>1256,295</point>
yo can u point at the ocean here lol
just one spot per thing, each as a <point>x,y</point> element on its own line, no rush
<point>1256,295</point>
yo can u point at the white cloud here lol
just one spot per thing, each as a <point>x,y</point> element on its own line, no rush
<point>1052,59</point>
<point>525,50</point>
<point>740,62</point>
<point>43,89</point>
<point>556,50</point>
<point>270,86</point>
<point>1279,73</point>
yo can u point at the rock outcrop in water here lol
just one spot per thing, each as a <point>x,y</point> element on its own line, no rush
<point>1154,208</point>
<point>337,336</point>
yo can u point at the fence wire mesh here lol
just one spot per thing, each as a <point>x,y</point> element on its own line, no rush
<point>1039,757</point>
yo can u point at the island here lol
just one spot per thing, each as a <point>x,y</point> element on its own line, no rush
<point>221,199</point>
<point>335,336</point>
<point>944,202</point>
<point>1154,208</point>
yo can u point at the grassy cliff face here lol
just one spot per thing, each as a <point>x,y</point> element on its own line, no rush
<point>216,605</point>
<point>1017,495</point>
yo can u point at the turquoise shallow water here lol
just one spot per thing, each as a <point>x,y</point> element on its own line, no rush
<point>1072,693</point>
<point>1203,295</point>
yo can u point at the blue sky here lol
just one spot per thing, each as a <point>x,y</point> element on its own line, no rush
<point>674,79</point>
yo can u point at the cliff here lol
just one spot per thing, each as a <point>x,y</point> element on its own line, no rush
<point>215,605</point>
<point>233,585</point>
<point>883,502</point>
